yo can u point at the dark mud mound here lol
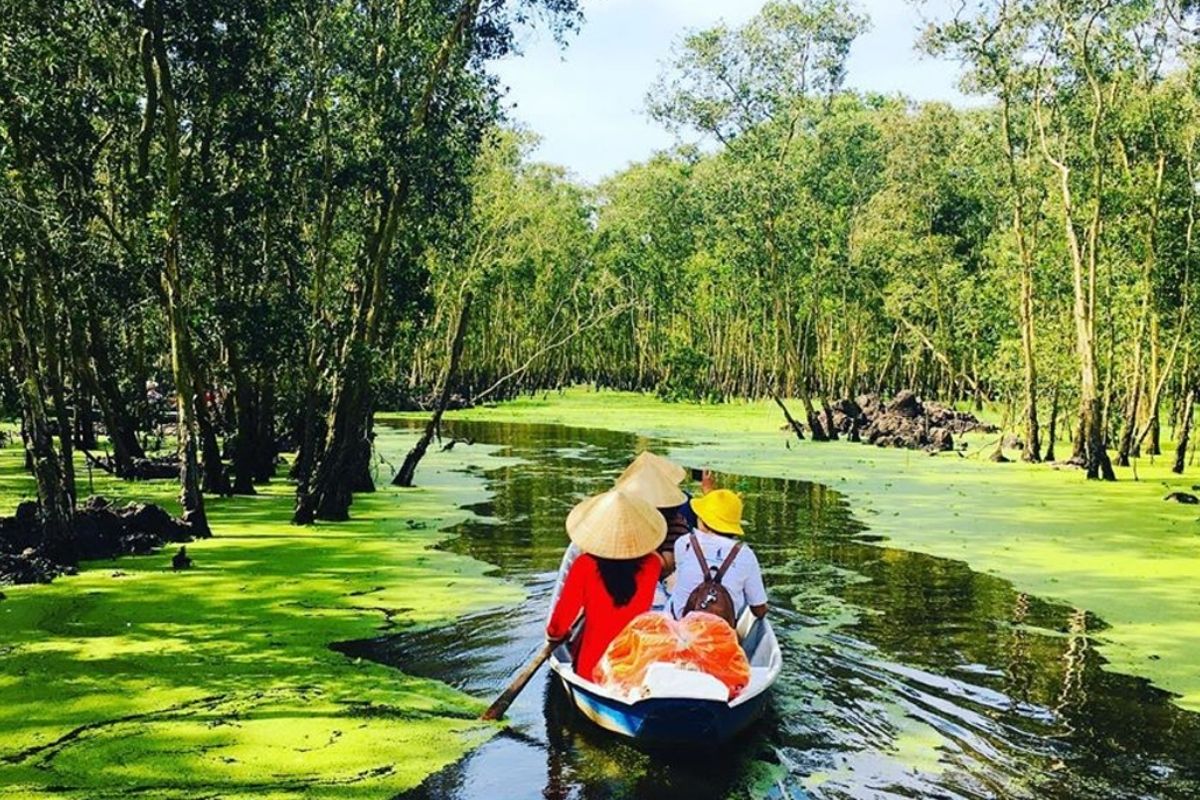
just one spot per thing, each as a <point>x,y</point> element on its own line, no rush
<point>100,530</point>
<point>140,469</point>
<point>906,422</point>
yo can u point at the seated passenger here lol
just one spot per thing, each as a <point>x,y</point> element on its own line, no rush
<point>648,483</point>
<point>614,578</point>
<point>719,515</point>
<point>679,515</point>
<point>655,480</point>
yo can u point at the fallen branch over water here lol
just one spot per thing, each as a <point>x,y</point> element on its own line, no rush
<point>796,427</point>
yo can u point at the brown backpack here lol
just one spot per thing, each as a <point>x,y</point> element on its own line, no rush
<point>710,596</point>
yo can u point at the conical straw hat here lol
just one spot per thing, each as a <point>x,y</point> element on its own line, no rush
<point>651,485</point>
<point>616,525</point>
<point>674,472</point>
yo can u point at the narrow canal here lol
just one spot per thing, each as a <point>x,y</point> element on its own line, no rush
<point>905,675</point>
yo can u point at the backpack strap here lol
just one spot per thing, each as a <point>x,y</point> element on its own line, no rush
<point>728,562</point>
<point>704,568</point>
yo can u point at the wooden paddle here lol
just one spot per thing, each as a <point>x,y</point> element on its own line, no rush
<point>496,710</point>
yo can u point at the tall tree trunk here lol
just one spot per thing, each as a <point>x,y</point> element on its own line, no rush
<point>342,465</point>
<point>1185,432</point>
<point>409,469</point>
<point>1033,445</point>
<point>1090,445</point>
<point>266,448</point>
<point>214,477</point>
<point>328,493</point>
<point>85,421</point>
<point>1130,441</point>
<point>55,505</point>
<point>95,371</point>
<point>54,371</point>
<point>242,456</point>
<point>342,459</point>
<point>1053,435</point>
<point>190,497</point>
<point>1155,431</point>
<point>254,449</point>
<point>62,414</point>
<point>310,431</point>
<point>214,474</point>
<point>1129,428</point>
<point>362,479</point>
<point>33,311</point>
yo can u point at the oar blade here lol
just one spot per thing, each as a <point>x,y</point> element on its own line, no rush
<point>498,708</point>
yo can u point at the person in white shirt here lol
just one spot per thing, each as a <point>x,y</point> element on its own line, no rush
<point>719,516</point>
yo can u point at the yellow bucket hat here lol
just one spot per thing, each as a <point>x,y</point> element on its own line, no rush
<point>721,511</point>
<point>651,485</point>
<point>674,472</point>
<point>616,525</point>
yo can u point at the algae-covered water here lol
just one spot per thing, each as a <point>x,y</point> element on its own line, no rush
<point>905,674</point>
<point>132,680</point>
<point>1116,549</point>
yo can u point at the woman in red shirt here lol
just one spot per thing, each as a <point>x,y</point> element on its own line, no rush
<point>614,580</point>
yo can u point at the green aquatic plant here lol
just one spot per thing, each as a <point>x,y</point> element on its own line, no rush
<point>131,676</point>
<point>1116,550</point>
<point>221,678</point>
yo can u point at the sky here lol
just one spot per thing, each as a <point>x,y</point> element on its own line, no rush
<point>587,101</point>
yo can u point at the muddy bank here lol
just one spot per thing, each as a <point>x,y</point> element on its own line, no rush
<point>100,530</point>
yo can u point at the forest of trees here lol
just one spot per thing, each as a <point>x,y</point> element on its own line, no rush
<point>284,215</point>
<point>230,203</point>
<point>1035,251</point>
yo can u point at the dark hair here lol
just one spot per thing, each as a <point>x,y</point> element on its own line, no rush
<point>619,578</point>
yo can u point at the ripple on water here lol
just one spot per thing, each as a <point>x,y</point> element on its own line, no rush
<point>904,676</point>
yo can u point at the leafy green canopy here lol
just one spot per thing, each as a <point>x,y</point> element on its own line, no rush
<point>806,239</point>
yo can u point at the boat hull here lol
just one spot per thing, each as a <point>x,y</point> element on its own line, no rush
<point>681,720</point>
<point>668,721</point>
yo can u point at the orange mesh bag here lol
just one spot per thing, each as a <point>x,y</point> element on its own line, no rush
<point>647,639</point>
<point>700,642</point>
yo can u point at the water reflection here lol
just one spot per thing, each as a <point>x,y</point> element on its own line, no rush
<point>905,675</point>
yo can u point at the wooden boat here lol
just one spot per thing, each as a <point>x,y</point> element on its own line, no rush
<point>700,716</point>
